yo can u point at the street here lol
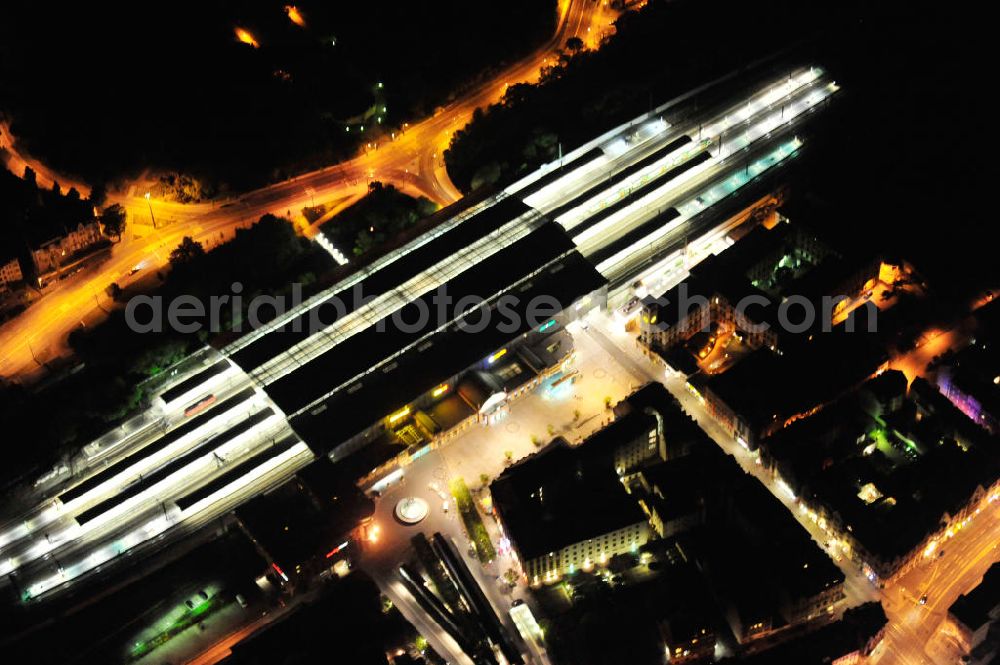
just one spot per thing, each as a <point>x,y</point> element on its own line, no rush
<point>413,162</point>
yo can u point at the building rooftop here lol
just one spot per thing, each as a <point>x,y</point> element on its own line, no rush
<point>795,561</point>
<point>306,516</point>
<point>767,387</point>
<point>680,431</point>
<point>629,426</point>
<point>825,645</point>
<point>678,486</point>
<point>380,392</point>
<point>377,341</point>
<point>891,481</point>
<point>973,609</point>
<point>560,496</point>
<point>377,282</point>
<point>727,274</point>
<point>829,276</point>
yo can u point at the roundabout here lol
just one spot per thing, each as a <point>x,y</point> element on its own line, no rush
<point>411,510</point>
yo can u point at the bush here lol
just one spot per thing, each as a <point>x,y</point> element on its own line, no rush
<point>474,526</point>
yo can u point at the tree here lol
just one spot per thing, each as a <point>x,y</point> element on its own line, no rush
<point>114,291</point>
<point>98,195</point>
<point>484,479</point>
<point>620,563</point>
<point>55,187</point>
<point>574,44</point>
<point>187,252</point>
<point>508,456</point>
<point>485,175</point>
<point>30,175</point>
<point>363,242</point>
<point>113,220</point>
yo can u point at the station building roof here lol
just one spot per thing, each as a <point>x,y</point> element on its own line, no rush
<point>378,393</point>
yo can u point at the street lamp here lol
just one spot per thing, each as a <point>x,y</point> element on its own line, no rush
<point>153,219</point>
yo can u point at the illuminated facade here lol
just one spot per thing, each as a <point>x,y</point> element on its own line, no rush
<point>564,509</point>
<point>953,387</point>
<point>10,272</point>
<point>586,554</point>
<point>52,254</point>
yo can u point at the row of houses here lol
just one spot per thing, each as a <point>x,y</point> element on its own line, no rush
<point>652,481</point>
<point>51,255</point>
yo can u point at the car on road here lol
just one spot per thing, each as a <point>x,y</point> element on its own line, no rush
<point>923,599</point>
<point>444,506</point>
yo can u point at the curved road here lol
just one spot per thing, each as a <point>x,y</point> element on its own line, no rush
<point>412,161</point>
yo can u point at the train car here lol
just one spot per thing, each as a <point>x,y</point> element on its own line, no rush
<point>199,406</point>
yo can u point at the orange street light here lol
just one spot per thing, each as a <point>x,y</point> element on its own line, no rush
<point>246,37</point>
<point>150,204</point>
<point>295,16</point>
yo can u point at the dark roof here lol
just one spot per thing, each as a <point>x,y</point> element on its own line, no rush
<point>680,359</point>
<point>381,448</point>
<point>797,563</point>
<point>830,276</point>
<point>559,172</point>
<point>306,516</point>
<point>187,385</point>
<point>825,645</point>
<point>561,496</point>
<point>134,456</point>
<point>973,609</point>
<point>449,411</point>
<point>766,386</point>
<point>822,457</point>
<point>887,386</point>
<point>653,395</point>
<point>545,352</point>
<point>234,473</point>
<point>668,306</point>
<point>364,350</point>
<point>445,354</point>
<point>759,243</point>
<point>606,440</point>
<point>475,387</point>
<point>380,281</point>
<point>711,278</point>
<point>681,433</point>
<point>679,485</point>
<point>513,373</point>
<point>286,523</point>
<point>617,177</point>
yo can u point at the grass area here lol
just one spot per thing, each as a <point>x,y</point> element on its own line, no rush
<point>471,519</point>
